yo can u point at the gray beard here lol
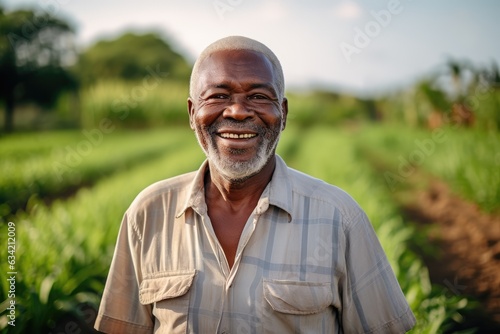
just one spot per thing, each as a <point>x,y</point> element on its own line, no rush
<point>239,171</point>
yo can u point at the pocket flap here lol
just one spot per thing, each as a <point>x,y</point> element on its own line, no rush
<point>295,297</point>
<point>165,286</point>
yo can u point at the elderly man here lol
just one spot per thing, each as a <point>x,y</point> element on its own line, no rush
<point>246,244</point>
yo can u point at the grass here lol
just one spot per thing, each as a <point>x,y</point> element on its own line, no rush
<point>51,165</point>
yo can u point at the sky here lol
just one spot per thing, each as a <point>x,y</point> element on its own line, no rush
<point>356,46</point>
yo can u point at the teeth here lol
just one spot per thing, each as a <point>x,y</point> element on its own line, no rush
<point>236,136</point>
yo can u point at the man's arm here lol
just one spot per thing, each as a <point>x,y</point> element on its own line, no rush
<point>120,310</point>
<point>372,298</point>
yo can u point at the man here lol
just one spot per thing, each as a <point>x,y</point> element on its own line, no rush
<point>246,244</point>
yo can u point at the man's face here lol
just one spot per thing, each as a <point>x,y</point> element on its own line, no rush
<point>236,113</point>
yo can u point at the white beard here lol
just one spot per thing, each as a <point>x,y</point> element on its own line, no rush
<point>238,171</point>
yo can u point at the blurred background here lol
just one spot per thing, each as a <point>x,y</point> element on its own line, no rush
<point>397,102</point>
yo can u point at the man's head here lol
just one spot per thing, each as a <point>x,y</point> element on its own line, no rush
<point>238,43</point>
<point>237,106</point>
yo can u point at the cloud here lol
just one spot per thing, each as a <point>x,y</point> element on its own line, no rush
<point>347,10</point>
<point>276,10</point>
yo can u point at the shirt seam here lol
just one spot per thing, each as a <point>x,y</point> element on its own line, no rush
<point>135,228</point>
<point>351,221</point>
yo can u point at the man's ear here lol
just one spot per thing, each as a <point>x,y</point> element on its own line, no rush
<point>284,112</point>
<point>190,105</point>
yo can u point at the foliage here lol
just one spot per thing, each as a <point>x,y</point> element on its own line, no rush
<point>131,57</point>
<point>458,94</point>
<point>436,97</point>
<point>322,107</point>
<point>33,49</point>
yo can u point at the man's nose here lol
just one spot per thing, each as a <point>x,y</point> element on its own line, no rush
<point>239,108</point>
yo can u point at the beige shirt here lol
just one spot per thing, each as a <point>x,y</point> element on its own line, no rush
<point>308,261</point>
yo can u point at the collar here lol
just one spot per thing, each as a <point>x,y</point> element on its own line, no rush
<point>278,192</point>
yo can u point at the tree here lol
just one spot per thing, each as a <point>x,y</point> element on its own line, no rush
<point>34,46</point>
<point>129,57</point>
<point>437,100</point>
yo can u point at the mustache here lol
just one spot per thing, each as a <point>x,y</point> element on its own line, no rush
<point>237,125</point>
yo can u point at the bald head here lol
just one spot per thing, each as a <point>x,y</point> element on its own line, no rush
<point>232,43</point>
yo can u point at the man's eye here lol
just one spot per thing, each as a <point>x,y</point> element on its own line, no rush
<point>218,96</point>
<point>258,97</point>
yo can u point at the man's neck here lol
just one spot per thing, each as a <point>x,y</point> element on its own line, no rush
<point>230,204</point>
<point>236,194</point>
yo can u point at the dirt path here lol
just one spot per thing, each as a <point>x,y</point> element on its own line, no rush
<point>466,241</point>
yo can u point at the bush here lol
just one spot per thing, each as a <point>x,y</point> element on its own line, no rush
<point>134,104</point>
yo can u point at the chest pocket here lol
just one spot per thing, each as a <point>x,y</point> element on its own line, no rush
<point>296,305</point>
<point>168,293</point>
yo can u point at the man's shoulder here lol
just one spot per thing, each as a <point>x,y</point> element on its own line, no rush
<point>168,187</point>
<point>320,190</point>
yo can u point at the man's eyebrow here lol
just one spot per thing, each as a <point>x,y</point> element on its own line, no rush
<point>262,85</point>
<point>217,86</point>
<point>228,86</point>
<point>221,85</point>
<point>214,86</point>
<point>267,86</point>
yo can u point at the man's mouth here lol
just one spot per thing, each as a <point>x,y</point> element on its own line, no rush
<point>237,135</point>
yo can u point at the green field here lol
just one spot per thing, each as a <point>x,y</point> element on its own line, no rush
<point>83,129</point>
<point>64,245</point>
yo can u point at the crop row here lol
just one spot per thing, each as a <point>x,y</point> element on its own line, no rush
<point>468,160</point>
<point>54,164</point>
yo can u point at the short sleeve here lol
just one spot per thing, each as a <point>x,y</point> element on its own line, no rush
<point>120,310</point>
<point>372,298</point>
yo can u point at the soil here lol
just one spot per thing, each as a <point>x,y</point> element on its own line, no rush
<point>466,251</point>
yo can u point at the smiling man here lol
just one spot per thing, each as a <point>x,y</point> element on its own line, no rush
<point>246,244</point>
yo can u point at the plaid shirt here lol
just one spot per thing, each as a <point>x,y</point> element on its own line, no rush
<point>308,261</point>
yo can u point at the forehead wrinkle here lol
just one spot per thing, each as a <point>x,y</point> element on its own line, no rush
<point>226,66</point>
<point>230,86</point>
<point>266,85</point>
